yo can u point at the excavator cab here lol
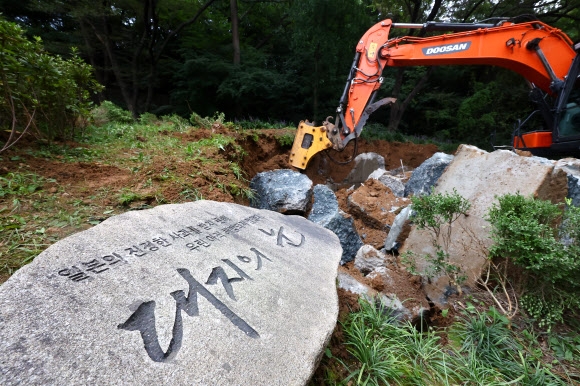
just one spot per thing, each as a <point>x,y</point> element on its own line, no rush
<point>561,135</point>
<point>568,113</point>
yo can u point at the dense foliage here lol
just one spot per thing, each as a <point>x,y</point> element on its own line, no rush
<point>544,241</point>
<point>40,91</point>
<point>284,60</point>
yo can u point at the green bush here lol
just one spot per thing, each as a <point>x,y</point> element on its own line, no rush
<point>436,213</point>
<point>207,122</point>
<point>543,240</point>
<point>108,112</point>
<point>41,92</point>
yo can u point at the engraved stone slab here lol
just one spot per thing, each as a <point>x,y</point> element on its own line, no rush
<point>202,293</point>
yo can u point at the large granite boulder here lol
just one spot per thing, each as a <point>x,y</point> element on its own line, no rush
<point>283,190</point>
<point>426,175</point>
<point>202,293</point>
<point>481,177</point>
<point>325,212</point>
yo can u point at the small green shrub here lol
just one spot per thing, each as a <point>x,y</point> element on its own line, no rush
<point>207,122</point>
<point>110,112</point>
<point>148,119</point>
<point>257,124</point>
<point>217,141</point>
<point>180,124</point>
<point>285,140</point>
<point>126,197</point>
<point>436,213</point>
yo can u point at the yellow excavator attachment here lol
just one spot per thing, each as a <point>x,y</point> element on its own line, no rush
<point>309,140</point>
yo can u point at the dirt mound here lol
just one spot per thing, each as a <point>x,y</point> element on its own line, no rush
<point>322,169</point>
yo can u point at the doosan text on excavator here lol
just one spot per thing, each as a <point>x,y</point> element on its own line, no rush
<point>545,56</point>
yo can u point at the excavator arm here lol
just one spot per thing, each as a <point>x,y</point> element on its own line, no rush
<point>540,53</point>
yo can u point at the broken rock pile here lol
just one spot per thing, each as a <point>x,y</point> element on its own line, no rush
<point>362,216</point>
<point>371,213</point>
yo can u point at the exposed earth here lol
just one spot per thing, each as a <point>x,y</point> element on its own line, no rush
<point>51,190</point>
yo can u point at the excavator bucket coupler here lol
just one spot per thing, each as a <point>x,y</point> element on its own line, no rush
<point>308,141</point>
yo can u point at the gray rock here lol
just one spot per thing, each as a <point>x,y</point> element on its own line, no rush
<point>574,189</point>
<point>202,293</point>
<point>393,183</point>
<point>397,228</point>
<point>284,191</point>
<point>364,165</point>
<point>384,273</point>
<point>480,177</point>
<point>368,259</point>
<point>571,166</point>
<point>325,212</point>
<point>349,283</point>
<point>377,173</point>
<point>325,205</point>
<point>427,174</point>
<point>390,181</point>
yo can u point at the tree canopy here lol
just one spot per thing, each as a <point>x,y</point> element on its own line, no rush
<point>282,60</point>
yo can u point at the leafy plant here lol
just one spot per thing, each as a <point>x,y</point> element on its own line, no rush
<point>436,213</point>
<point>110,112</point>
<point>148,119</point>
<point>542,240</point>
<point>180,124</point>
<point>207,122</point>
<point>257,124</point>
<point>127,197</point>
<point>285,140</point>
<point>19,184</point>
<point>217,141</point>
<point>41,93</point>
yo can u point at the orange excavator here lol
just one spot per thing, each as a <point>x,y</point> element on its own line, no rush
<point>543,55</point>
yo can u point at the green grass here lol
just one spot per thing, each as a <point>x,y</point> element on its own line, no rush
<point>20,184</point>
<point>151,148</point>
<point>257,124</point>
<point>482,350</point>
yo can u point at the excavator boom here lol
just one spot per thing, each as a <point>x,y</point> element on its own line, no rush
<point>540,53</point>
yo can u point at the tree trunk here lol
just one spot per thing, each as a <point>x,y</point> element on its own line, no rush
<point>235,31</point>
<point>398,108</point>
<point>316,81</point>
<point>149,16</point>
<point>236,47</point>
<point>105,40</point>
<point>157,52</point>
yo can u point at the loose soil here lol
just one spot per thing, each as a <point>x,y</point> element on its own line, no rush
<point>98,188</point>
